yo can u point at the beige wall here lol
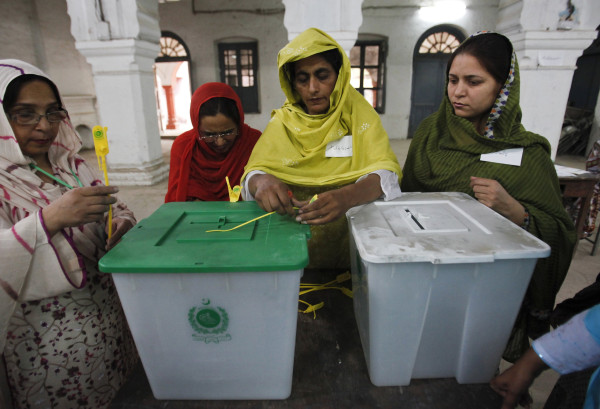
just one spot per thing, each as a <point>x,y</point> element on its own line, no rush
<point>201,32</point>
<point>46,42</point>
<point>403,27</point>
<point>38,32</point>
<point>400,24</point>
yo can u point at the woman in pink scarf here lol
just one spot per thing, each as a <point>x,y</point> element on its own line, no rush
<point>63,334</point>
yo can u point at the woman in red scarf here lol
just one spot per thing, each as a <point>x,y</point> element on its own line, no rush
<point>219,145</point>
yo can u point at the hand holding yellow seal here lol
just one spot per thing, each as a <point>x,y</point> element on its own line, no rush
<point>101,147</point>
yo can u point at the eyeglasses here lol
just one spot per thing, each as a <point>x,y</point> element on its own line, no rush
<point>32,118</point>
<point>212,136</point>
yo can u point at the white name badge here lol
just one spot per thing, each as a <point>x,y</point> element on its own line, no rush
<point>511,156</point>
<point>339,149</point>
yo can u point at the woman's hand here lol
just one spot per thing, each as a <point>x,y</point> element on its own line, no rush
<point>78,206</point>
<point>271,194</point>
<point>120,226</point>
<point>513,383</point>
<point>491,193</point>
<point>334,204</point>
<point>328,207</point>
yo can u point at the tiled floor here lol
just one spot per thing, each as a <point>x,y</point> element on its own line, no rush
<point>144,200</point>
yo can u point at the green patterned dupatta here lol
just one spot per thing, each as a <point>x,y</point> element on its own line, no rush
<point>445,153</point>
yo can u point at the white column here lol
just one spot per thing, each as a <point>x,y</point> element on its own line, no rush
<point>341,19</point>
<point>547,48</point>
<point>120,41</point>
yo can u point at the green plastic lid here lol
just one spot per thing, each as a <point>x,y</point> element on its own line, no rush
<point>174,239</point>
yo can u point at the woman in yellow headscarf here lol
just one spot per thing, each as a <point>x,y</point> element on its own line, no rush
<point>325,140</point>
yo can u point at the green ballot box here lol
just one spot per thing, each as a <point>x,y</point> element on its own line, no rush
<point>213,313</point>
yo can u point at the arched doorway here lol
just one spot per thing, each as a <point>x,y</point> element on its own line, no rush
<point>430,57</point>
<point>173,85</point>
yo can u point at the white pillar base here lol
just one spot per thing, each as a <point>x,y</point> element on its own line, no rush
<point>145,175</point>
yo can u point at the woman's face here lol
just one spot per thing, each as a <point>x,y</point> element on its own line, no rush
<point>471,89</point>
<point>219,132</point>
<point>35,140</point>
<point>314,80</point>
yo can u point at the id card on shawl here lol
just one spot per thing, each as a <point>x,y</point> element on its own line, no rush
<point>341,148</point>
<point>511,156</point>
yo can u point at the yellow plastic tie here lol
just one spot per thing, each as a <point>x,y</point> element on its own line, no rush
<point>234,194</point>
<point>240,225</point>
<point>307,288</point>
<point>344,290</point>
<point>347,292</point>
<point>243,224</point>
<point>339,279</point>
<point>101,147</point>
<point>343,277</point>
<point>312,308</point>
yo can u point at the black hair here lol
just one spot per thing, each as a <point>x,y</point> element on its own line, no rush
<point>220,105</point>
<point>14,87</point>
<point>492,50</point>
<point>333,57</point>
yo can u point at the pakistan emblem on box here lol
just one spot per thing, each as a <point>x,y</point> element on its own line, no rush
<point>210,323</point>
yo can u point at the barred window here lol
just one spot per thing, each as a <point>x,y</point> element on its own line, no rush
<point>367,60</point>
<point>238,63</point>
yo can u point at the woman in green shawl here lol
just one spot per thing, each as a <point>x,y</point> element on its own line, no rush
<point>325,140</point>
<point>464,147</point>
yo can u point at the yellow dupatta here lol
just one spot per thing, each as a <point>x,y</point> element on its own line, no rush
<point>293,145</point>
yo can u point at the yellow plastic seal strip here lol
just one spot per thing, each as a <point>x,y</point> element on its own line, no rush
<point>234,193</point>
<point>101,147</point>
<point>240,225</point>
<point>306,288</point>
